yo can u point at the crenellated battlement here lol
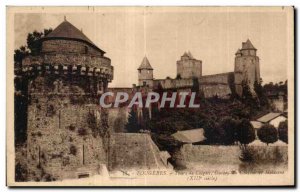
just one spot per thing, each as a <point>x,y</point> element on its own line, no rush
<point>84,65</point>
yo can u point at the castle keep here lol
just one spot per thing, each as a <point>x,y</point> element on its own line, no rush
<point>189,69</point>
<point>66,129</point>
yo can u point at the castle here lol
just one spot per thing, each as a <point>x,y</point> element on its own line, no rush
<point>189,69</point>
<point>66,129</point>
<point>68,135</point>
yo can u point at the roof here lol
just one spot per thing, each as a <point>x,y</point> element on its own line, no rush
<point>268,117</point>
<point>188,54</point>
<point>248,45</point>
<point>145,64</point>
<point>190,136</point>
<point>185,54</point>
<point>256,124</point>
<point>66,30</point>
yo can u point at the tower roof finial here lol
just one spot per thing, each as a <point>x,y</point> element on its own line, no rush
<point>65,18</point>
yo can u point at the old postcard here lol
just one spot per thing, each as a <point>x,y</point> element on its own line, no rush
<point>150,96</point>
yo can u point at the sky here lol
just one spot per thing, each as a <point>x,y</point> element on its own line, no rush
<point>164,34</point>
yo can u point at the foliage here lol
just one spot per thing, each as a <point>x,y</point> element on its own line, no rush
<point>33,46</point>
<point>260,92</point>
<point>92,122</point>
<point>165,142</point>
<point>267,134</point>
<point>247,96</point>
<point>229,127</point>
<point>276,88</point>
<point>195,87</point>
<point>20,173</point>
<point>245,132</point>
<point>21,88</point>
<point>283,131</point>
<point>133,126</point>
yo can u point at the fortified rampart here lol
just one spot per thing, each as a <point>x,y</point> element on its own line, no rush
<point>172,83</point>
<point>220,85</point>
<point>67,132</point>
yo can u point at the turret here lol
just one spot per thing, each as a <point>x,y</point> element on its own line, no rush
<point>145,73</point>
<point>246,68</point>
<point>64,85</point>
<point>188,67</point>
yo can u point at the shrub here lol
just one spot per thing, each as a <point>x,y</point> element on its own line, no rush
<point>283,131</point>
<point>229,127</point>
<point>267,134</point>
<point>245,132</point>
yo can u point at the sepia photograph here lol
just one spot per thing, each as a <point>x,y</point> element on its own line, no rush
<point>150,96</point>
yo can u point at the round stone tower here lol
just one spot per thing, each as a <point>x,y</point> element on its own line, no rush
<point>246,67</point>
<point>188,67</point>
<point>65,126</point>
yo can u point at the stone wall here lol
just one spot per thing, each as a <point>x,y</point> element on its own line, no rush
<point>173,83</point>
<point>117,119</point>
<point>134,151</point>
<point>63,131</point>
<point>189,68</point>
<point>69,47</point>
<point>230,154</point>
<point>220,85</point>
<point>246,69</point>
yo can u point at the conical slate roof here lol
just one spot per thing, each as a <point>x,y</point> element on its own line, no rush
<point>247,45</point>
<point>185,54</point>
<point>188,54</point>
<point>68,31</point>
<point>145,64</point>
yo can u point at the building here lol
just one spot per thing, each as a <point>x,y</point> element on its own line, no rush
<point>65,125</point>
<point>188,67</point>
<point>273,119</point>
<point>68,134</point>
<point>189,74</point>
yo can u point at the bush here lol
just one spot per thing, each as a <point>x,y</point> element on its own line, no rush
<point>245,132</point>
<point>20,173</point>
<point>283,131</point>
<point>267,134</point>
<point>229,127</point>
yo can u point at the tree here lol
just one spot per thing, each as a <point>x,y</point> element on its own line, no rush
<point>267,134</point>
<point>245,132</point>
<point>245,135</point>
<point>133,125</point>
<point>21,98</point>
<point>33,46</point>
<point>247,96</point>
<point>229,126</point>
<point>263,100</point>
<point>283,131</point>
